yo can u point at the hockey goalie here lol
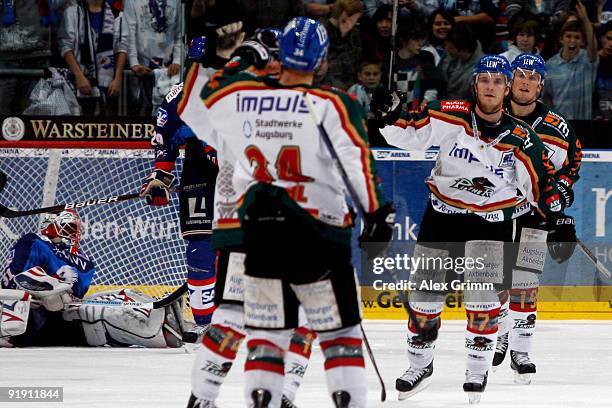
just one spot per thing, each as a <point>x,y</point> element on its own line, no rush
<point>50,267</point>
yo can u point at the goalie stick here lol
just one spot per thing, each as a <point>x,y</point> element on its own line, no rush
<point>10,294</point>
<point>601,268</point>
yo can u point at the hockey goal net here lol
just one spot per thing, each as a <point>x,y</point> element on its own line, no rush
<point>133,245</point>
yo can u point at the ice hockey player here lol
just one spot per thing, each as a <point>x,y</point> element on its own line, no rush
<point>53,270</point>
<point>292,206</point>
<point>56,273</point>
<point>489,167</point>
<point>519,310</point>
<point>195,198</point>
<point>212,363</point>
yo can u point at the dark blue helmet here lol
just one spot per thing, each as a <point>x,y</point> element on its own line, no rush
<point>495,64</point>
<point>303,44</point>
<point>270,37</point>
<point>197,48</point>
<point>530,62</point>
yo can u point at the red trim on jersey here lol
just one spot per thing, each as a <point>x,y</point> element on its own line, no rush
<point>554,141</point>
<point>11,317</point>
<point>203,312</point>
<point>453,120</point>
<point>166,166</point>
<point>235,87</point>
<point>74,144</point>
<point>190,80</point>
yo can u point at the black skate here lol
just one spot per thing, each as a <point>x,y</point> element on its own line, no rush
<point>195,334</point>
<point>500,351</point>
<point>261,398</point>
<point>413,380</point>
<point>200,403</point>
<point>524,369</point>
<point>341,399</point>
<point>474,385</point>
<point>286,403</point>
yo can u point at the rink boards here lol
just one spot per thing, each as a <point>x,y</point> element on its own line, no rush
<point>573,290</point>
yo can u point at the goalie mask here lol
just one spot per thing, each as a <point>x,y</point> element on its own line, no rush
<point>64,227</point>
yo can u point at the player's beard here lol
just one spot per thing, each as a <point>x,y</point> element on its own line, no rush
<point>490,109</point>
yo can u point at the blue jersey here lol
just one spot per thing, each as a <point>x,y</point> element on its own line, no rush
<point>33,250</point>
<point>199,168</point>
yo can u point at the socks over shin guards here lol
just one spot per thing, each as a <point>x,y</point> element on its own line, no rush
<point>296,360</point>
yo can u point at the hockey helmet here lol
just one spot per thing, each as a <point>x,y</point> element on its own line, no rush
<point>303,44</point>
<point>197,48</point>
<point>493,64</point>
<point>530,62</point>
<point>65,226</point>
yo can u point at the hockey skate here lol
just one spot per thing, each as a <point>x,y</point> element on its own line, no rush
<point>261,398</point>
<point>195,402</point>
<point>341,399</point>
<point>524,369</point>
<point>195,334</point>
<point>500,351</point>
<point>413,381</point>
<point>474,385</point>
<point>286,403</point>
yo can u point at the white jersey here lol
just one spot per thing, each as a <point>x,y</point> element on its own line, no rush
<point>503,170</point>
<point>271,137</point>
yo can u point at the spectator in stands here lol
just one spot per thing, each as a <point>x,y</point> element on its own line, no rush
<point>319,8</point>
<point>370,77</point>
<point>93,42</point>
<point>440,23</point>
<point>463,50</point>
<point>603,83</point>
<point>208,15</point>
<point>344,51</point>
<point>604,12</point>
<point>571,73</point>
<point>480,15</point>
<point>268,13</point>
<point>370,6</point>
<point>548,12</point>
<point>524,32</point>
<point>25,35</point>
<point>376,38</point>
<point>154,42</point>
<point>415,72</point>
<point>422,8</point>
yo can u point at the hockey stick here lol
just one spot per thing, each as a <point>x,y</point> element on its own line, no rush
<point>8,213</point>
<point>392,53</point>
<point>601,268</point>
<point>10,294</point>
<point>360,210</point>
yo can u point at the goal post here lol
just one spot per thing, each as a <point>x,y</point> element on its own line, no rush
<point>133,245</point>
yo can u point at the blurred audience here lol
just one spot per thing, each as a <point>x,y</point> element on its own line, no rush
<point>524,33</point>
<point>603,83</point>
<point>462,52</point>
<point>440,23</point>
<point>370,77</point>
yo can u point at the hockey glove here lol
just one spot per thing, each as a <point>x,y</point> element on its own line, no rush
<point>561,238</point>
<point>255,52</point>
<point>378,231</point>
<point>156,188</point>
<point>229,38</point>
<point>386,106</point>
<point>566,193</point>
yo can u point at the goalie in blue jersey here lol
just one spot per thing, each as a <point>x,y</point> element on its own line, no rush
<point>56,273</point>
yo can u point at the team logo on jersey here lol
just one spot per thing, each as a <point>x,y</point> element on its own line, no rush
<point>174,92</point>
<point>480,186</point>
<point>162,117</point>
<point>507,159</point>
<point>557,122</point>
<point>13,129</point>
<point>479,343</point>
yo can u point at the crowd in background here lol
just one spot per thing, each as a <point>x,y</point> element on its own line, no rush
<point>436,46</point>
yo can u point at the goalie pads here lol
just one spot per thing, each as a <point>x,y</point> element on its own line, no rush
<point>52,291</point>
<point>13,317</point>
<point>123,326</point>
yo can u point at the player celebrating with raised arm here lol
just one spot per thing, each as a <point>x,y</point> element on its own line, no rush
<point>489,166</point>
<point>53,270</point>
<point>292,205</point>
<point>532,229</point>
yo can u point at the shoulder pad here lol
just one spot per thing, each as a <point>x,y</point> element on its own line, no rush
<point>174,92</point>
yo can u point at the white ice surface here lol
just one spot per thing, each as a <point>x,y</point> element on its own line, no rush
<point>574,363</point>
